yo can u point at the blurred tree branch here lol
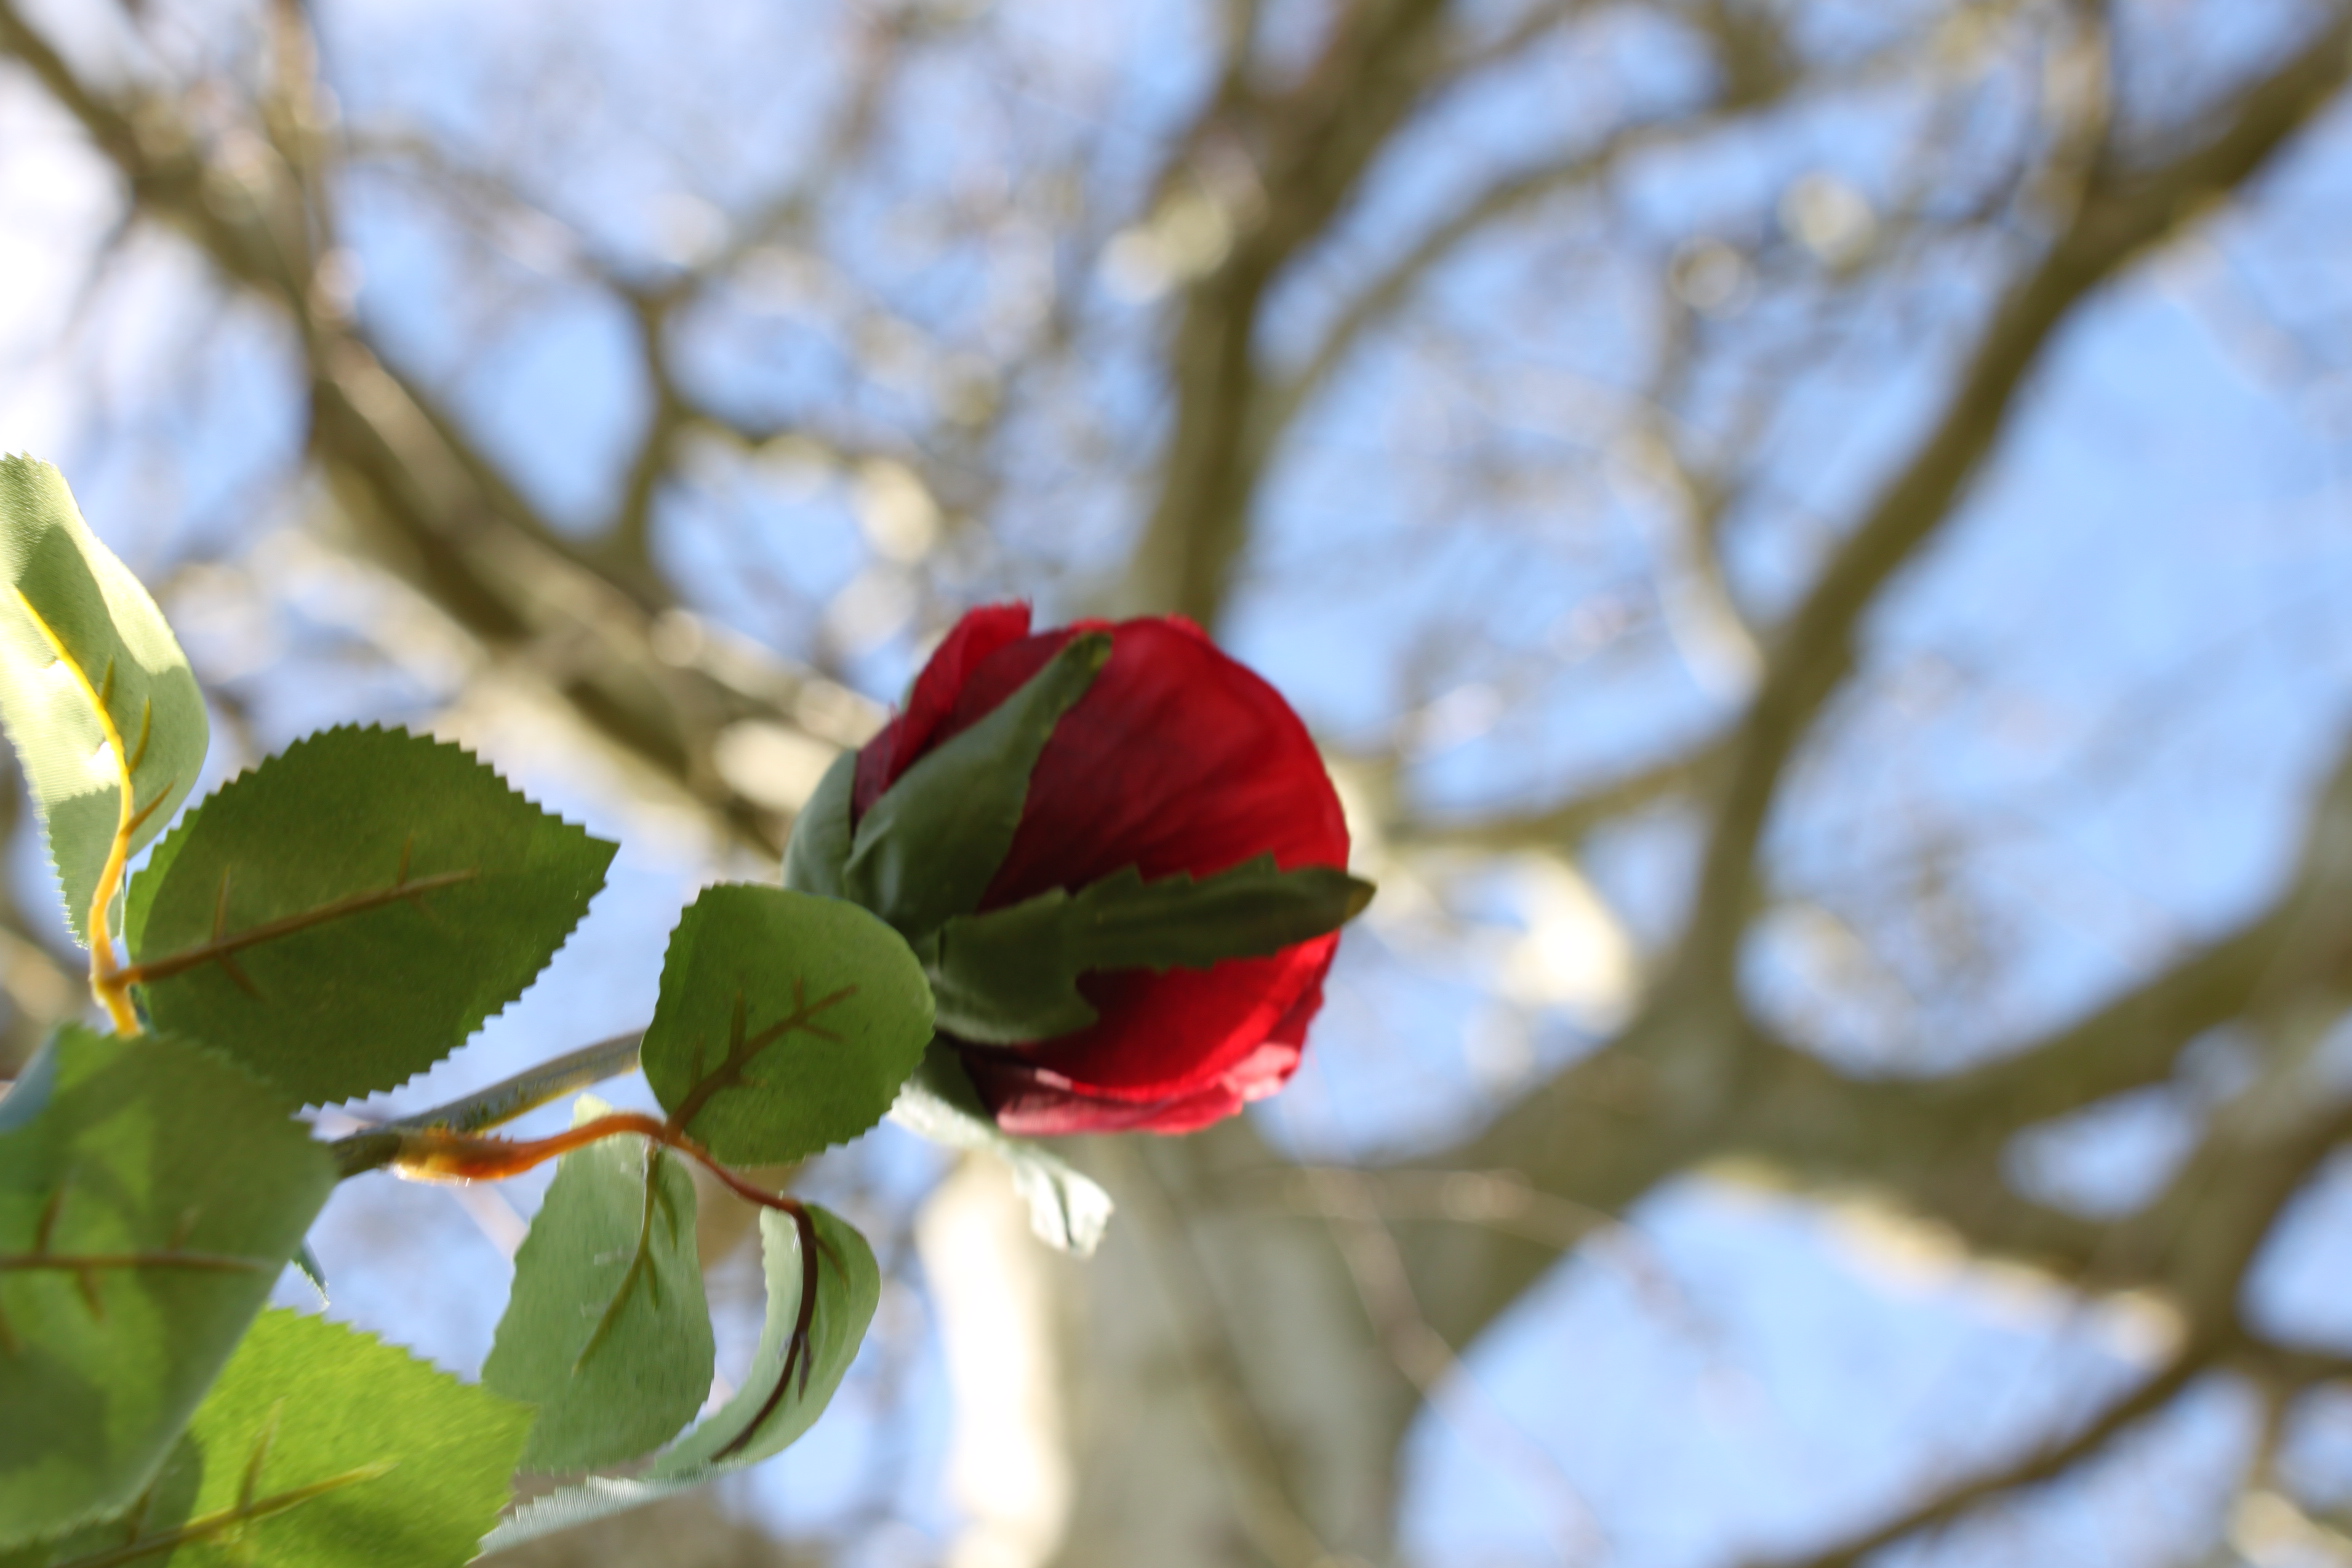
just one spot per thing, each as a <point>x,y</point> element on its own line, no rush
<point>1692,1078</point>
<point>422,494</point>
<point>1307,149</point>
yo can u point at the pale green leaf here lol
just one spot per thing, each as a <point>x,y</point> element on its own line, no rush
<point>150,1194</point>
<point>97,697</point>
<point>1068,1210</point>
<point>785,1024</point>
<point>606,1332</point>
<point>321,1448</point>
<point>771,1411</point>
<point>307,1262</point>
<point>343,916</point>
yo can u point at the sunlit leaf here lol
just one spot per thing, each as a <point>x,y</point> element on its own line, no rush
<point>771,1411</point>
<point>607,1332</point>
<point>320,1448</point>
<point>343,916</point>
<point>786,1023</point>
<point>150,1193</point>
<point>97,697</point>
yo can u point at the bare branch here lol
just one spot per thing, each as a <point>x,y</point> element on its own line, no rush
<point>2149,1399</point>
<point>2218,1214</point>
<point>1562,825</point>
<point>2119,216</point>
<point>1319,139</point>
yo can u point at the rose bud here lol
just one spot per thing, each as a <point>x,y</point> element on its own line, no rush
<point>1120,858</point>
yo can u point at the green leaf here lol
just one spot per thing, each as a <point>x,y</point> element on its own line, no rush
<point>150,1194</point>
<point>930,846</point>
<point>786,1023</point>
<point>770,1412</point>
<point>607,1331</point>
<point>312,1270</point>
<point>1011,975</point>
<point>321,1448</point>
<point>163,1506</point>
<point>1068,1210</point>
<point>343,916</point>
<point>105,713</point>
<point>821,835</point>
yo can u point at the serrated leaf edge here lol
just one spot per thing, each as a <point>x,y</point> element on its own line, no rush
<point>249,1508</point>
<point>187,822</point>
<point>846,1139</point>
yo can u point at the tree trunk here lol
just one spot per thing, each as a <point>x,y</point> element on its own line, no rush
<point>1229,1402</point>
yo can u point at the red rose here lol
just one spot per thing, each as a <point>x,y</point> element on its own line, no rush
<point>1175,760</point>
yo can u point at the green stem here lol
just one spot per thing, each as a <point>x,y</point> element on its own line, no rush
<point>375,1147</point>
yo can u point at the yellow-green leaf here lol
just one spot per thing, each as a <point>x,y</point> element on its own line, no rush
<point>318,1448</point>
<point>97,696</point>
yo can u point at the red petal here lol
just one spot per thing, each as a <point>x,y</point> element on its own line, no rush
<point>1032,1102</point>
<point>1045,1110</point>
<point>1176,759</point>
<point>1169,1048</point>
<point>917,727</point>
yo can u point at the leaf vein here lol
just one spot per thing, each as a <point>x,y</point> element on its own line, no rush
<point>223,1520</point>
<point>221,949</point>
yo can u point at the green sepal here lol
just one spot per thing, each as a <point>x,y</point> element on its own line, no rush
<point>368,897</point>
<point>319,1447</point>
<point>86,661</point>
<point>187,1186</point>
<point>785,1023</point>
<point>606,1331</point>
<point>774,1412</point>
<point>928,849</point>
<point>1068,1210</point>
<point>1010,976</point>
<point>821,834</point>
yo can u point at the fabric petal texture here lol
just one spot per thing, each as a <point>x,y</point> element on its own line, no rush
<point>1176,760</point>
